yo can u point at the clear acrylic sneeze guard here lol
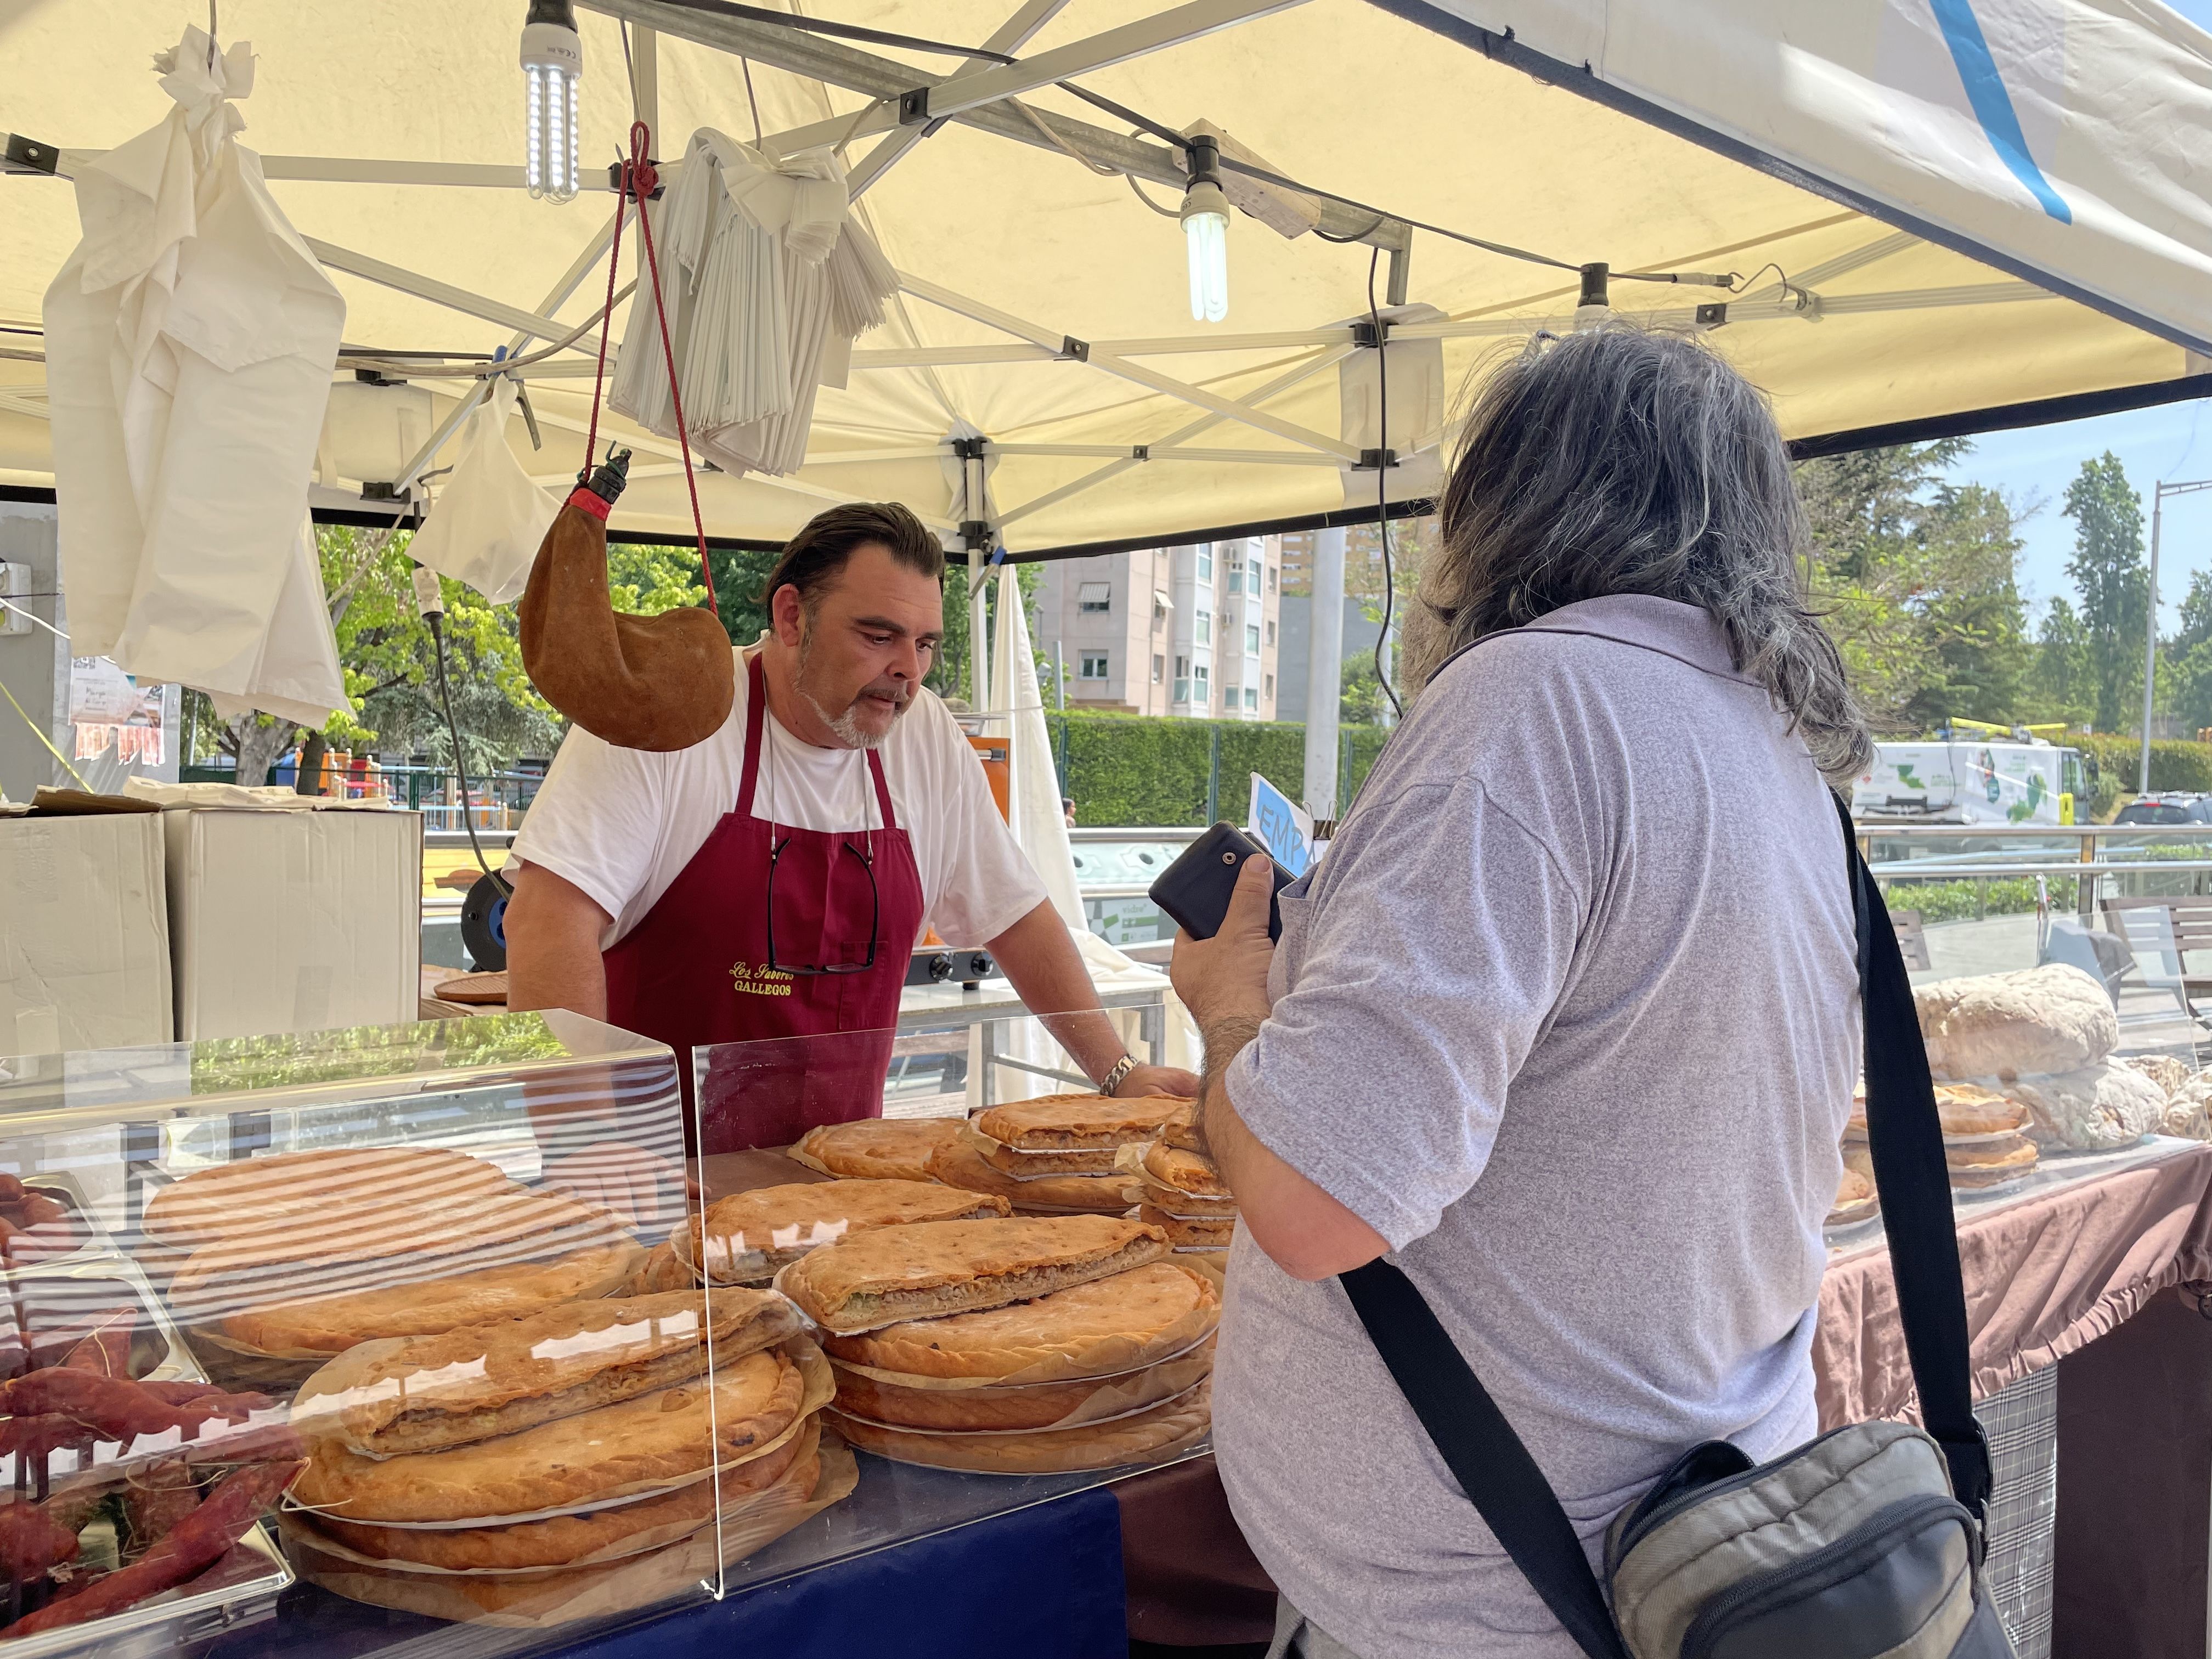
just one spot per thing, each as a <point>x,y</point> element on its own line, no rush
<point>753,1102</point>
<point>328,1338</point>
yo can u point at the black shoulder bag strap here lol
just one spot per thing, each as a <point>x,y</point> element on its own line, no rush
<point>1487,1456</point>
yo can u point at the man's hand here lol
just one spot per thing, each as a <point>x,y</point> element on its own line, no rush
<point>1159,1080</point>
<point>1225,977</point>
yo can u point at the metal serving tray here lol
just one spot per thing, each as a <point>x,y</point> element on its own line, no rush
<point>90,1237</point>
<point>240,1590</point>
<point>83,1285</point>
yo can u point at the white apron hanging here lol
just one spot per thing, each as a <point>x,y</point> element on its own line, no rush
<point>190,342</point>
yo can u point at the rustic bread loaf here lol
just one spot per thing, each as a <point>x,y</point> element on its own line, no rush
<point>1167,1428</point>
<point>962,1166</point>
<point>2091,1110</point>
<point>2051,1018</point>
<point>655,1440</point>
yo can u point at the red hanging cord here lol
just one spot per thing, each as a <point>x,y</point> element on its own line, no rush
<point>606,319</point>
<point>640,177</point>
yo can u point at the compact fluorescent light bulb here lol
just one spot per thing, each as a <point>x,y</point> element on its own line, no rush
<point>1205,233</point>
<point>552,64</point>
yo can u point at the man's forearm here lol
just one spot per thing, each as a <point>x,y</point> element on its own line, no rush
<point>1042,963</point>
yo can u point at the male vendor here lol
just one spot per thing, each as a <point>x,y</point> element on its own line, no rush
<point>770,882</point>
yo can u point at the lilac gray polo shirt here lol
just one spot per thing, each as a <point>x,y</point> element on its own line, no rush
<point>1569,1015</point>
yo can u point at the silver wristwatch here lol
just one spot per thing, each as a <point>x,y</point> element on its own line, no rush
<point>1119,1075</point>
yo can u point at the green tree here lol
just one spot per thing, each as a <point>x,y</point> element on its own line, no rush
<point>2184,662</point>
<point>1916,579</point>
<point>1361,701</point>
<point>2114,583</point>
<point>2061,680</point>
<point>390,662</point>
<point>948,676</point>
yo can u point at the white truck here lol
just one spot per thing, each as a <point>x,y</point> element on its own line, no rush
<point>1973,774</point>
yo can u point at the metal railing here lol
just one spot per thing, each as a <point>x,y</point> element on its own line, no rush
<point>496,800</point>
<point>2098,860</point>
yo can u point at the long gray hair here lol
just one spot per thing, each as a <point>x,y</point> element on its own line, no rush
<point>1618,461</point>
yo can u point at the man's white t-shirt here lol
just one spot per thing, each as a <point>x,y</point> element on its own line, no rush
<point>622,824</point>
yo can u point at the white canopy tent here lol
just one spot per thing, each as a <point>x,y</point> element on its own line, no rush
<point>1900,265</point>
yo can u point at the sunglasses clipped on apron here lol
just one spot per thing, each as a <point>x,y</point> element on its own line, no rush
<point>1863,1543</point>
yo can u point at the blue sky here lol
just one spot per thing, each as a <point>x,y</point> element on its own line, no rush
<point>2034,466</point>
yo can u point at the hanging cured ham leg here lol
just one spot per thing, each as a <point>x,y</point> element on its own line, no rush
<point>655,683</point>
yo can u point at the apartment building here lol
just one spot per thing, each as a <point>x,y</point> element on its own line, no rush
<point>1188,631</point>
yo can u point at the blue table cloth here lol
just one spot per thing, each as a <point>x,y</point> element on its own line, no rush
<point>1042,1582</point>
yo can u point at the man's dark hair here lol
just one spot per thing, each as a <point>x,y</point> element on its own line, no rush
<point>812,558</point>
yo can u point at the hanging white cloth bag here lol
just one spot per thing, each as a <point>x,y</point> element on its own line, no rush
<point>190,342</point>
<point>490,518</point>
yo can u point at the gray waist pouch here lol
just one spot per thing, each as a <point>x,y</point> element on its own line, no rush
<point>1863,1543</point>
<point>1852,1546</point>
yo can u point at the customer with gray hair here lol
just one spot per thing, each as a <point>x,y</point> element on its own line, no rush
<point>1566,1022</point>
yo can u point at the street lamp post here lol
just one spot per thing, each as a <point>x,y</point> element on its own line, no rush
<point>2158,495</point>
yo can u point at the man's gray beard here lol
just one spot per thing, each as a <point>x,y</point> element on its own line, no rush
<point>847,725</point>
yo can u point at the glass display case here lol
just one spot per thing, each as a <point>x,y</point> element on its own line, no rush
<point>475,1334</point>
<point>349,1333</point>
<point>954,1415</point>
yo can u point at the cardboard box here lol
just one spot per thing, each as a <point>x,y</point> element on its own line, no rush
<point>84,932</point>
<point>294,921</point>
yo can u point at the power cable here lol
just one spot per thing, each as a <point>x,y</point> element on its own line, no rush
<point>460,766</point>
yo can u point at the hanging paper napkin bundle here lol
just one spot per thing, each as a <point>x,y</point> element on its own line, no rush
<point>189,341</point>
<point>767,278</point>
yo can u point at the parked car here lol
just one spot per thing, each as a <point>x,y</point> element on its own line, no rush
<point>2171,806</point>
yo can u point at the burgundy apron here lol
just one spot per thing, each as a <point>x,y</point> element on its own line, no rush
<point>696,971</point>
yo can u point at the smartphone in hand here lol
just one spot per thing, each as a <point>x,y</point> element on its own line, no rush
<point>1194,889</point>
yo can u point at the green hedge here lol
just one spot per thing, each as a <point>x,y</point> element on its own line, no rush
<point>1967,901</point>
<point>1126,769</point>
<point>2175,763</point>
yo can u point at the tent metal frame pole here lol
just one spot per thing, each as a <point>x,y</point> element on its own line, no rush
<point>429,288</point>
<point>586,260</point>
<point>1320,362</point>
<point>350,170</point>
<point>1324,672</point>
<point>966,90</point>
<point>644,77</point>
<point>1173,452</point>
<point>837,64</point>
<point>1181,391</point>
<point>1083,452</point>
<point>1009,37</point>
<point>659,445</point>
